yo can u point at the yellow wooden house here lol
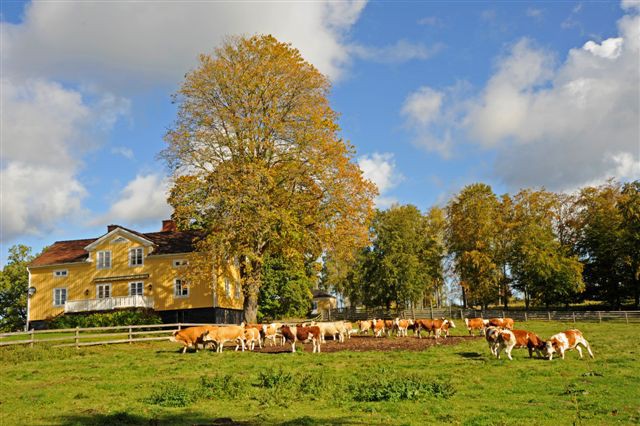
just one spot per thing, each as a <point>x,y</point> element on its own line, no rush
<point>125,269</point>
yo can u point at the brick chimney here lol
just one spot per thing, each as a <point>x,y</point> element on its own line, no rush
<point>111,228</point>
<point>168,225</point>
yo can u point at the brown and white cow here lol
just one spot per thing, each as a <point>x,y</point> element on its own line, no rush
<point>402,326</point>
<point>491,336</point>
<point>502,322</point>
<point>229,333</point>
<point>251,336</point>
<point>565,341</point>
<point>271,332</point>
<point>190,337</point>
<point>435,326</point>
<point>476,324</point>
<point>302,334</point>
<point>509,339</point>
<point>364,326</point>
<point>378,327</point>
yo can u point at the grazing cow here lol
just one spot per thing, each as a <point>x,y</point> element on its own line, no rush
<point>509,339</point>
<point>566,341</point>
<point>389,327</point>
<point>335,329</point>
<point>364,326</point>
<point>189,337</point>
<point>502,322</point>
<point>476,324</point>
<point>230,333</point>
<point>271,332</point>
<point>403,326</point>
<point>491,335</point>
<point>378,327</point>
<point>302,334</point>
<point>251,336</point>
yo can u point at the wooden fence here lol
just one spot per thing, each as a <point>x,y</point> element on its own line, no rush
<point>94,335</point>
<point>454,313</point>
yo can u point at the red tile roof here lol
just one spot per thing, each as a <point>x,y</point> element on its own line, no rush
<point>73,250</point>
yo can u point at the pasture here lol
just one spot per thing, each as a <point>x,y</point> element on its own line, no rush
<point>379,382</point>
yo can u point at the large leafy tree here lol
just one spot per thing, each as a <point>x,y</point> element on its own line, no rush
<point>540,266</point>
<point>14,282</point>
<point>629,207</point>
<point>472,230</point>
<point>258,164</point>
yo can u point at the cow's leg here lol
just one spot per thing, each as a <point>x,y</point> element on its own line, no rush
<point>562,352</point>
<point>293,347</point>
<point>579,349</point>
<point>586,345</point>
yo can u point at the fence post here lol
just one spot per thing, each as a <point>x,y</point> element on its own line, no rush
<point>626,317</point>
<point>461,315</point>
<point>599,316</point>
<point>431,309</point>
<point>549,315</point>
<point>502,314</point>
<point>130,335</point>
<point>525,316</point>
<point>574,317</point>
<point>32,337</point>
<point>77,338</point>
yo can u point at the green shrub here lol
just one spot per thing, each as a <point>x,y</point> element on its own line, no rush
<point>226,386</point>
<point>108,319</point>
<point>274,378</point>
<point>405,389</point>
<point>172,395</point>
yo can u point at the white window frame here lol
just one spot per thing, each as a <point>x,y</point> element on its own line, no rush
<point>179,263</point>
<point>61,273</point>
<point>59,290</point>
<point>183,287</point>
<point>139,285</point>
<point>101,265</point>
<point>103,285</point>
<point>227,286</point>
<point>133,256</point>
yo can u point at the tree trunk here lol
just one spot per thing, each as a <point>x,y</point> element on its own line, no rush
<point>250,307</point>
<point>464,299</point>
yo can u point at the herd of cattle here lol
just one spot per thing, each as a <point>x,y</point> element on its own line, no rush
<point>498,332</point>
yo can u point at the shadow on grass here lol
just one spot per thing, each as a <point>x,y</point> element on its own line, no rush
<point>470,355</point>
<point>194,419</point>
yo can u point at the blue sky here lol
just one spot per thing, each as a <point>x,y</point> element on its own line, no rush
<point>434,96</point>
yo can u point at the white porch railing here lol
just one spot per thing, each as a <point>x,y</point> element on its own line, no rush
<point>108,304</point>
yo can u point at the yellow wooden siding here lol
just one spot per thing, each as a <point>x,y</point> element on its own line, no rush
<point>80,282</point>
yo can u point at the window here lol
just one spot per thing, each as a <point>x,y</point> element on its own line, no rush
<point>179,262</point>
<point>227,286</point>
<point>136,289</point>
<point>103,259</point>
<point>238,290</point>
<point>60,273</point>
<point>136,256</point>
<point>103,291</point>
<point>181,288</point>
<point>59,296</point>
<point>120,240</point>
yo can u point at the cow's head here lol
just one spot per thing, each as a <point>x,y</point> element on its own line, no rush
<point>451,324</point>
<point>550,347</point>
<point>206,337</point>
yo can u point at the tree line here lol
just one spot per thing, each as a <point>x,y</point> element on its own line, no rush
<point>545,248</point>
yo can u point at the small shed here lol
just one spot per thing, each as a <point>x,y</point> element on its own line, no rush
<point>322,301</point>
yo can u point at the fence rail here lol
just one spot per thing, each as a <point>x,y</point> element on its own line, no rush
<point>356,314</point>
<point>96,335</point>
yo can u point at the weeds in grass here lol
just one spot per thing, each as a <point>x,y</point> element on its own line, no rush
<point>273,378</point>
<point>224,386</point>
<point>404,389</point>
<point>172,395</point>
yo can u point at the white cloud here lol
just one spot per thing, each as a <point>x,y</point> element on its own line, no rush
<point>535,13</point>
<point>631,4</point>
<point>381,170</point>
<point>142,201</point>
<point>123,151</point>
<point>159,42</point>
<point>401,51</point>
<point>45,131</point>
<point>555,125</point>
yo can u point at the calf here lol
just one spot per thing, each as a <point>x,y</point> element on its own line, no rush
<point>302,334</point>
<point>335,329</point>
<point>271,332</point>
<point>378,328</point>
<point>230,333</point>
<point>502,322</point>
<point>566,341</point>
<point>251,336</point>
<point>509,339</point>
<point>476,324</point>
<point>390,327</point>
<point>189,337</point>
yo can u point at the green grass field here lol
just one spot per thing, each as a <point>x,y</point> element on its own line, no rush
<point>462,384</point>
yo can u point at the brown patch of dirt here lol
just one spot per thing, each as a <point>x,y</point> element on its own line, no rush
<point>370,343</point>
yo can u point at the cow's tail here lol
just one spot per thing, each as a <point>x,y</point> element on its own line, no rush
<point>466,322</point>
